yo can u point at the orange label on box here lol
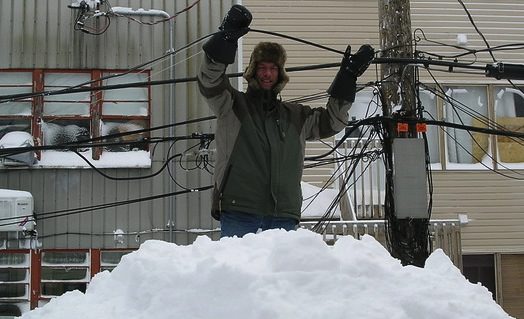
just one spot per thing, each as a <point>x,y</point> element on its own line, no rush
<point>402,127</point>
<point>422,128</point>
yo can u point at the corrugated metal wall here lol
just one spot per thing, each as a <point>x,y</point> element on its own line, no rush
<point>39,34</point>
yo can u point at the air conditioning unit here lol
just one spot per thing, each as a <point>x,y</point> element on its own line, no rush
<point>17,139</point>
<point>16,210</point>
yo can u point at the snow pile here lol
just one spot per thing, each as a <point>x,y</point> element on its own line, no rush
<point>274,274</point>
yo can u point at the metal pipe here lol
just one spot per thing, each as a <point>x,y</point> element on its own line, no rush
<point>160,13</point>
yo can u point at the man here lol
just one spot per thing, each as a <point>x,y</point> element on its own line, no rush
<point>260,140</point>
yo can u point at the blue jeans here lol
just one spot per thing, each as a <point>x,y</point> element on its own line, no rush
<point>233,223</point>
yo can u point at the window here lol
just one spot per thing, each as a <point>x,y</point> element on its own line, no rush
<point>480,268</point>
<point>366,190</point>
<point>72,117</point>
<point>31,278</point>
<point>110,258</point>
<point>14,283</point>
<point>429,103</point>
<point>366,105</point>
<point>64,271</point>
<point>509,112</point>
<point>466,106</point>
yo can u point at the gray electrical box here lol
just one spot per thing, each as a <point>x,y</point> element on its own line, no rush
<point>409,178</point>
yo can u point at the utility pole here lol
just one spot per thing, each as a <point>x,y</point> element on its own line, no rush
<point>396,42</point>
<point>407,215</point>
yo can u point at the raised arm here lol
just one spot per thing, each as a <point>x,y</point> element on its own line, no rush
<point>327,122</point>
<point>220,51</point>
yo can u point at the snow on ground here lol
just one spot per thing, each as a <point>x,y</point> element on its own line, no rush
<point>274,274</point>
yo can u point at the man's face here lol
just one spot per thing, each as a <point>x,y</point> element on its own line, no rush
<point>267,75</point>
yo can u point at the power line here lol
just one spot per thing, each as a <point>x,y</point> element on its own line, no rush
<point>76,89</point>
<point>424,62</point>
<point>79,210</point>
<point>87,142</point>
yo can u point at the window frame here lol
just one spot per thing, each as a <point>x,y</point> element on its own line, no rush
<point>34,265</point>
<point>65,266</point>
<point>490,159</point>
<point>493,160</point>
<point>498,140</point>
<point>22,302</point>
<point>448,164</point>
<point>96,100</point>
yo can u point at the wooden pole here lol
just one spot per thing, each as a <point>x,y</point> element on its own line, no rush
<point>407,237</point>
<point>398,87</point>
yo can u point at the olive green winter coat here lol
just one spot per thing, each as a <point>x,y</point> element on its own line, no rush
<point>260,144</point>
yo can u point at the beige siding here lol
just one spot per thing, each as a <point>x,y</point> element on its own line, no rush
<point>494,204</point>
<point>334,24</point>
<point>501,22</point>
<point>512,282</point>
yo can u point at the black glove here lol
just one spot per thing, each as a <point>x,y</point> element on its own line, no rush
<point>222,46</point>
<point>344,85</point>
<point>236,23</point>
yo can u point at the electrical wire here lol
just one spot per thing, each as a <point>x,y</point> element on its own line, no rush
<point>346,175</point>
<point>477,29</point>
<point>350,161</point>
<point>82,86</point>
<point>418,39</point>
<point>285,36</point>
<point>79,210</point>
<point>78,89</point>
<point>171,174</point>
<point>371,122</point>
<point>499,129</point>
<point>468,51</point>
<point>488,47</point>
<point>85,16</point>
<point>128,178</point>
<point>87,143</point>
<point>136,234</point>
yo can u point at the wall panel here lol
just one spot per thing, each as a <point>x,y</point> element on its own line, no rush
<point>501,23</point>
<point>494,206</point>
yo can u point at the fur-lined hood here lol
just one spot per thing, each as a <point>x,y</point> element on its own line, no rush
<point>267,52</point>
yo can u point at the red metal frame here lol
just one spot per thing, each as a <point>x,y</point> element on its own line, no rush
<point>36,275</point>
<point>38,104</point>
<point>35,266</point>
<point>95,261</point>
<point>95,106</point>
<point>96,112</point>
